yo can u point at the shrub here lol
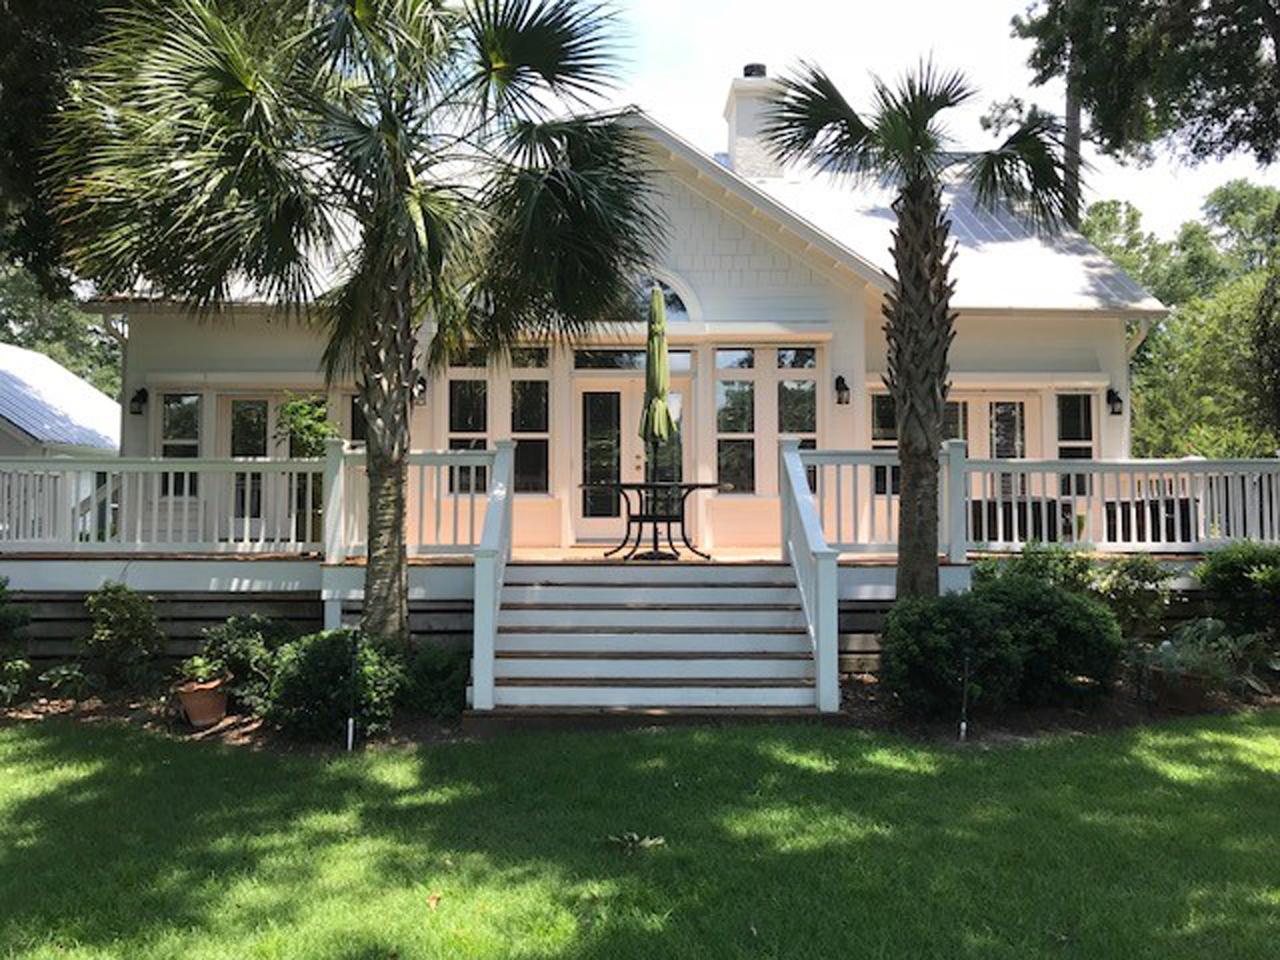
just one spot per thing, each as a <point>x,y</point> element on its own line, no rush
<point>311,695</point>
<point>12,618</point>
<point>126,637</point>
<point>1243,584</point>
<point>1050,563</point>
<point>15,679</point>
<point>1136,590</point>
<point>436,681</point>
<point>926,643</point>
<point>247,647</point>
<point>67,680</point>
<point>1061,635</point>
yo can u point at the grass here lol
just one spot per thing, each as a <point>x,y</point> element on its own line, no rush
<point>777,841</point>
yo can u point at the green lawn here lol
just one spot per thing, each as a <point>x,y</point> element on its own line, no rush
<point>780,841</point>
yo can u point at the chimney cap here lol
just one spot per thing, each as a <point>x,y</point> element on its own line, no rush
<point>755,70</point>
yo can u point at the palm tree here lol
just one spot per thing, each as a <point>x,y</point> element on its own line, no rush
<point>902,141</point>
<point>406,173</point>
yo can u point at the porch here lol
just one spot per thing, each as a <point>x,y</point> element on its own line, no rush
<point>557,627</point>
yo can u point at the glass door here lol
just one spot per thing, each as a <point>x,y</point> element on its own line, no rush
<point>608,449</point>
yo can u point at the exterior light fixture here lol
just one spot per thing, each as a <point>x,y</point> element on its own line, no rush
<point>138,402</point>
<point>842,391</point>
<point>1115,403</point>
<point>420,390</point>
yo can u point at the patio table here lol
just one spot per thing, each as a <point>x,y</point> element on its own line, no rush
<point>655,504</point>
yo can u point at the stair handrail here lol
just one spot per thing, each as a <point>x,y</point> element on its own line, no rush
<point>492,554</point>
<point>814,564</point>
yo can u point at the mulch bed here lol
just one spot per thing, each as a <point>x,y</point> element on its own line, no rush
<point>865,706</point>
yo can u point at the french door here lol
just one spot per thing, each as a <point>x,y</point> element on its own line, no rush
<point>607,449</point>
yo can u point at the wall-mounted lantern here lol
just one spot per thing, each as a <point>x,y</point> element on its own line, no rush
<point>1115,403</point>
<point>138,402</point>
<point>842,391</point>
<point>420,390</point>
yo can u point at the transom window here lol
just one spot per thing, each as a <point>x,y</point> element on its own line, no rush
<point>679,361</point>
<point>673,303</point>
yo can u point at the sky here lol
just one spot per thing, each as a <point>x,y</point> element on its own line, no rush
<point>679,56</point>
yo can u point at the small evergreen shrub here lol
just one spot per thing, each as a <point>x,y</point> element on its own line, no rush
<point>310,696</point>
<point>15,679</point>
<point>15,668</point>
<point>12,619</point>
<point>1136,590</point>
<point>1243,584</point>
<point>126,638</point>
<point>247,647</point>
<point>1069,569</point>
<point>1061,635</point>
<point>436,681</point>
<point>926,643</point>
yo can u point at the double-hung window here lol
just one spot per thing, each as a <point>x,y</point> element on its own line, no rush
<point>736,419</point>
<point>798,400</point>
<point>884,434</point>
<point>179,440</point>
<point>531,419</point>
<point>468,414</point>
<point>1075,438</point>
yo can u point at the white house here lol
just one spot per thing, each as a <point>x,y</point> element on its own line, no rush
<point>774,281</point>
<point>46,410</point>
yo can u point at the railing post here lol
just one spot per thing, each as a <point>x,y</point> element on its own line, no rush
<point>785,447</point>
<point>484,628</point>
<point>335,449</point>
<point>957,454</point>
<point>826,633</point>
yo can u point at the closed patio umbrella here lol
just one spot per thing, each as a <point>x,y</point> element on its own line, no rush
<point>656,423</point>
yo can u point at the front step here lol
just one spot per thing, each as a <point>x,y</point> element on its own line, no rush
<point>621,637</point>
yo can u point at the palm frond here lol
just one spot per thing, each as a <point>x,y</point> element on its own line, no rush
<point>908,120</point>
<point>177,163</point>
<point>525,50</point>
<point>810,120</point>
<point>1025,172</point>
<point>573,224</point>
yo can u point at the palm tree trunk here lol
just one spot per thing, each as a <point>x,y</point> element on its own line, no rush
<point>386,390</point>
<point>919,327</point>
<point>1071,150</point>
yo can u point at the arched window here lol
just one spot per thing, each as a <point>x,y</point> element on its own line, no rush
<point>677,310</point>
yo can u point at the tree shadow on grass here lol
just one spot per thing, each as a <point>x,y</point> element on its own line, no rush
<point>797,841</point>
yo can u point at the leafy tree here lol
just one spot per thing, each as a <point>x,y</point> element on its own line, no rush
<point>406,149</point>
<point>1201,75</point>
<point>45,40</point>
<point>903,140</point>
<point>88,346</point>
<point>1194,395</point>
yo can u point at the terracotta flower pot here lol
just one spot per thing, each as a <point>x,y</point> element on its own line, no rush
<point>204,702</point>
<point>1183,692</point>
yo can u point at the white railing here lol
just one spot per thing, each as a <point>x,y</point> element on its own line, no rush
<point>1116,506</point>
<point>814,564</point>
<point>492,554</point>
<point>101,505</point>
<point>1126,506</point>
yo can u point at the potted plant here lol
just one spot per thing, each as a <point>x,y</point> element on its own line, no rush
<point>202,690</point>
<point>1184,672</point>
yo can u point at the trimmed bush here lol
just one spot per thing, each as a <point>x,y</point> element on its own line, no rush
<point>1050,563</point>
<point>1243,584</point>
<point>310,696</point>
<point>126,637</point>
<point>247,647</point>
<point>1136,590</point>
<point>1061,635</point>
<point>436,681</point>
<point>926,643</point>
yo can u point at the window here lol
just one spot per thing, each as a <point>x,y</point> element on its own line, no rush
<point>678,361</point>
<point>468,358</point>
<point>468,430</point>
<point>530,426</point>
<point>1075,437</point>
<point>884,431</point>
<point>1009,440</point>
<point>529,357</point>
<point>735,429</point>
<point>735,359</point>
<point>798,417</point>
<point>179,440</point>
<point>797,358</point>
<point>359,425</point>
<point>672,302</point>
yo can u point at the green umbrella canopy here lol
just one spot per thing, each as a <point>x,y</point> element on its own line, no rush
<point>656,423</point>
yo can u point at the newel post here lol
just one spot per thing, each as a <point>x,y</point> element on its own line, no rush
<point>785,447</point>
<point>335,449</point>
<point>957,455</point>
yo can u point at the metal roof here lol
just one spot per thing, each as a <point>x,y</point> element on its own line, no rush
<point>52,405</point>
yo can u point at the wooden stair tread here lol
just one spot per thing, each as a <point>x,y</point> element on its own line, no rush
<point>648,655</point>
<point>675,683</point>
<point>683,607</point>
<point>612,630</point>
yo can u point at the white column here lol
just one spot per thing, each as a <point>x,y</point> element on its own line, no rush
<point>956,453</point>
